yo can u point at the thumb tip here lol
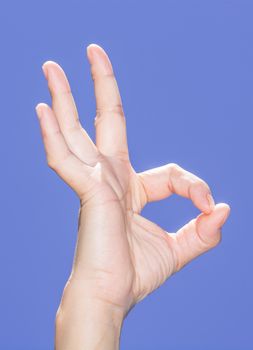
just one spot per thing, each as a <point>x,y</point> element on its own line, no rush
<point>210,224</point>
<point>221,213</point>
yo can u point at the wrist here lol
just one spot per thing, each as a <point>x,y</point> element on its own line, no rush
<point>85,322</point>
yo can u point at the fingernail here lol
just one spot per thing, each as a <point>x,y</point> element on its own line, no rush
<point>45,71</point>
<point>224,218</point>
<point>89,52</point>
<point>99,59</point>
<point>39,111</point>
<point>210,201</point>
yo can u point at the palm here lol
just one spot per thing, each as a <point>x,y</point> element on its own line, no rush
<point>140,258</point>
<point>149,256</point>
<point>122,254</point>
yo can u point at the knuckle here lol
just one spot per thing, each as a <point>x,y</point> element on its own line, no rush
<point>51,163</point>
<point>218,237</point>
<point>173,167</point>
<point>207,244</point>
<point>48,136</point>
<point>76,127</point>
<point>96,76</point>
<point>218,240</point>
<point>109,75</point>
<point>107,112</point>
<point>56,162</point>
<point>123,155</point>
<point>56,94</point>
<point>214,242</point>
<point>117,109</point>
<point>200,184</point>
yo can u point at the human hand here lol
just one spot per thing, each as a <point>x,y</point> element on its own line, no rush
<point>120,256</point>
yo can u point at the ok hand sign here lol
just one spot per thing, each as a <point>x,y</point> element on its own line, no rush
<point>120,256</point>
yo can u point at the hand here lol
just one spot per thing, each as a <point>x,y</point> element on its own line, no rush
<point>120,256</point>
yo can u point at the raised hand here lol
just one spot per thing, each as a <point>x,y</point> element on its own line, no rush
<point>120,256</point>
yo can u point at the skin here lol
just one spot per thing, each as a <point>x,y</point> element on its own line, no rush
<point>120,256</point>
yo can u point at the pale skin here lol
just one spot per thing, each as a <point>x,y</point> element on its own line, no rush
<point>120,256</point>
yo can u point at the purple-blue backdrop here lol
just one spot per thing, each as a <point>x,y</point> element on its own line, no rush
<point>184,69</point>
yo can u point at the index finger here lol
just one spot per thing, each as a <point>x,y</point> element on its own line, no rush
<point>165,180</point>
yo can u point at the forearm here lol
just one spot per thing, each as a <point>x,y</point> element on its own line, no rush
<point>85,323</point>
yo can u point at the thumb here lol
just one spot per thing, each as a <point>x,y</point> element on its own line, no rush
<point>199,235</point>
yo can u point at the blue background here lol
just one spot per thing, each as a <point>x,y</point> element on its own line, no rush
<point>184,69</point>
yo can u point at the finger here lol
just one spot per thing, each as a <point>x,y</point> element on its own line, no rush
<point>111,138</point>
<point>59,157</point>
<point>162,181</point>
<point>199,235</point>
<point>64,107</point>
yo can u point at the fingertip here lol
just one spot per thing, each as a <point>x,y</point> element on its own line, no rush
<point>218,216</point>
<point>89,51</point>
<point>40,108</point>
<point>98,57</point>
<point>47,65</point>
<point>94,47</point>
<point>42,105</point>
<point>223,210</point>
<point>204,200</point>
<point>56,77</point>
<point>209,225</point>
<point>224,206</point>
<point>211,201</point>
<point>50,63</point>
